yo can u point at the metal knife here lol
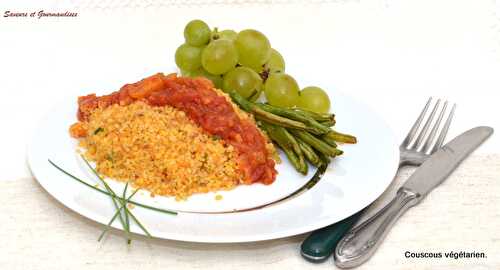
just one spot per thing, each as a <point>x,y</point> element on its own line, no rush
<point>360,243</point>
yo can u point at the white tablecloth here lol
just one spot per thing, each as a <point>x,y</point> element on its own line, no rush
<point>391,55</point>
<point>461,215</point>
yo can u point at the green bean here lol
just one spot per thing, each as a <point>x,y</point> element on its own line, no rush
<point>309,153</point>
<point>285,145</point>
<point>288,113</point>
<point>340,137</point>
<point>328,140</point>
<point>328,123</point>
<point>317,116</point>
<point>262,115</point>
<point>324,159</point>
<point>316,143</point>
<point>295,147</point>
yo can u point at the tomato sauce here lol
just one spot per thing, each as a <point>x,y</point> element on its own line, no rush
<point>198,99</point>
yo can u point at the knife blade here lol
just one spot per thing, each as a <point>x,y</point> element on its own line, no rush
<point>442,163</point>
<point>360,243</point>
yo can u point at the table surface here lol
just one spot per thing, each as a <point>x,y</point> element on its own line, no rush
<point>391,55</point>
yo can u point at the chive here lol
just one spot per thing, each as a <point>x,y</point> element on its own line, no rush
<point>108,188</point>
<point>108,226</point>
<point>117,213</point>
<point>109,156</point>
<point>127,221</point>
<point>138,223</point>
<point>110,194</point>
<point>99,129</point>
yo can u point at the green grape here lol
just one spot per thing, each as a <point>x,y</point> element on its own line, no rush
<point>276,62</point>
<point>219,56</point>
<point>314,99</point>
<point>224,34</point>
<point>186,73</point>
<point>216,79</point>
<point>188,57</point>
<point>254,48</point>
<point>243,80</point>
<point>281,90</point>
<point>197,33</point>
<point>228,34</point>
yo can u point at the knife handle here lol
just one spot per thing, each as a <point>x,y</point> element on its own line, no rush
<point>360,243</point>
<point>320,244</point>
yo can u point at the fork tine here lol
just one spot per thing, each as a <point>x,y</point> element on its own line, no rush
<point>416,125</point>
<point>423,132</point>
<point>444,131</point>
<point>428,144</point>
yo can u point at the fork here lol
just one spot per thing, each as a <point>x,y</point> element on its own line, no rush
<point>414,150</point>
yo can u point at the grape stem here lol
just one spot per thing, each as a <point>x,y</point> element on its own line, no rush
<point>215,34</point>
<point>264,74</point>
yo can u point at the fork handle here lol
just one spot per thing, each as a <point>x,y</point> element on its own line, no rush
<point>360,243</point>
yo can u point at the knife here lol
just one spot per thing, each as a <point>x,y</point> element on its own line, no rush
<point>360,243</point>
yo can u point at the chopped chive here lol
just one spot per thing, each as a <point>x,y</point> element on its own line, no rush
<point>109,157</point>
<point>99,129</point>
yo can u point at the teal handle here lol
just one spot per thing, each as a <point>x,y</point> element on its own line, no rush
<point>320,244</point>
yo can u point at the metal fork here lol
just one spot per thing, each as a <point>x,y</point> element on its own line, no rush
<point>417,147</point>
<point>413,150</point>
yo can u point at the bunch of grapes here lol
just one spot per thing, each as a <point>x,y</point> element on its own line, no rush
<point>246,63</point>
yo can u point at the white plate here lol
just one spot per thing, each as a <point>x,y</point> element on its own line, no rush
<point>352,181</point>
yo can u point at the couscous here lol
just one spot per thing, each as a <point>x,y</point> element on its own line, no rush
<point>173,136</point>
